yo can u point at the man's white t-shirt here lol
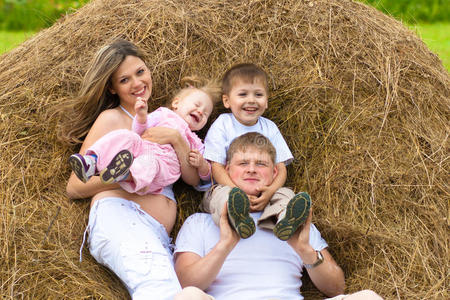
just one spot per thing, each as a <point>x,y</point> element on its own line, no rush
<point>226,128</point>
<point>260,267</point>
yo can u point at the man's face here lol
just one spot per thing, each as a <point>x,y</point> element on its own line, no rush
<point>251,169</point>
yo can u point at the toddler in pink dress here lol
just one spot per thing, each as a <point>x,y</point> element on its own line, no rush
<point>141,166</point>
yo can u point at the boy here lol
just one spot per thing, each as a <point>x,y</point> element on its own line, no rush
<point>245,92</point>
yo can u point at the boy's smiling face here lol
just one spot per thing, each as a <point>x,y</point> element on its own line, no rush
<point>247,101</point>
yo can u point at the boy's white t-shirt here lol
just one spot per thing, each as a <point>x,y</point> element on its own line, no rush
<point>260,267</point>
<point>226,128</point>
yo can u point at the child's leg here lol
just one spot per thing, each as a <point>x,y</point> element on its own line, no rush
<point>107,147</point>
<point>84,166</point>
<point>214,200</point>
<point>277,204</point>
<point>154,169</point>
<point>239,213</point>
<point>238,208</point>
<point>292,215</point>
<point>103,153</point>
<point>117,169</point>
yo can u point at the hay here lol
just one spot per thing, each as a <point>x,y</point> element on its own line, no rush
<point>362,102</point>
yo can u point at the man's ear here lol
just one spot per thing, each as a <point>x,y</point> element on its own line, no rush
<point>226,101</point>
<point>275,171</point>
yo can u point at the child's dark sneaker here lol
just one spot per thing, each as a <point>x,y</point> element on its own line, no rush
<point>239,213</point>
<point>83,166</point>
<point>117,170</point>
<point>297,212</point>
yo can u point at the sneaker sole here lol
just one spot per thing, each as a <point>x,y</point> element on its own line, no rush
<point>297,212</point>
<point>118,166</point>
<point>78,168</point>
<point>238,213</point>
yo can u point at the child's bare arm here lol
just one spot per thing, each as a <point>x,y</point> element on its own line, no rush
<point>141,108</point>
<point>220,175</point>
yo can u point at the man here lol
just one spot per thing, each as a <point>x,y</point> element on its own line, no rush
<point>216,260</point>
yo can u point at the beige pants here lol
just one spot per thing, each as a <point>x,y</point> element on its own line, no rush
<point>215,199</point>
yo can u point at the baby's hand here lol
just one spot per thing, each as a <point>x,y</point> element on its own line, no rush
<point>195,158</point>
<point>141,104</point>
<point>197,161</point>
<point>141,107</point>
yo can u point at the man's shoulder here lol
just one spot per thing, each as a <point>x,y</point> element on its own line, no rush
<point>197,219</point>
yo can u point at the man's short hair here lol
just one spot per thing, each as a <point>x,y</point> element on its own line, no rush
<point>251,140</point>
<point>248,73</point>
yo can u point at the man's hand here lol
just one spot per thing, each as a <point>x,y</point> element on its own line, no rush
<point>300,241</point>
<point>228,236</point>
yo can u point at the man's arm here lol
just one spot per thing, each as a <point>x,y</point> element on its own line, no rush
<point>328,277</point>
<point>194,270</point>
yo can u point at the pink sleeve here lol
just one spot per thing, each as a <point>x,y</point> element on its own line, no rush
<point>207,176</point>
<point>152,121</point>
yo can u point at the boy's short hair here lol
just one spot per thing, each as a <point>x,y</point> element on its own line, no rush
<point>251,140</point>
<point>246,72</point>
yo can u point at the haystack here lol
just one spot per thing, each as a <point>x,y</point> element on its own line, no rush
<point>362,102</point>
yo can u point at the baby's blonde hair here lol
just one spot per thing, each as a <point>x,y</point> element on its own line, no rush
<point>191,83</point>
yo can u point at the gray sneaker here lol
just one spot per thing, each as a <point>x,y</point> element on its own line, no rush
<point>239,213</point>
<point>83,166</point>
<point>297,212</point>
<point>118,168</point>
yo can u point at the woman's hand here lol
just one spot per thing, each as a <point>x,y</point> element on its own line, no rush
<point>162,135</point>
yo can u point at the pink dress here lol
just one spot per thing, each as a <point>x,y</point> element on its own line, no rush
<point>155,166</point>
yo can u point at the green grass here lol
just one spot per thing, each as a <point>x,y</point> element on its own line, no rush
<point>436,36</point>
<point>11,39</point>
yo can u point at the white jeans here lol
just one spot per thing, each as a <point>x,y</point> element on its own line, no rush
<point>134,246</point>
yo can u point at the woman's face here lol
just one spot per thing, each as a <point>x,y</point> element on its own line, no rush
<point>131,80</point>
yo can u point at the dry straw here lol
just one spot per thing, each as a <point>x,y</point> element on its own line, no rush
<point>362,102</point>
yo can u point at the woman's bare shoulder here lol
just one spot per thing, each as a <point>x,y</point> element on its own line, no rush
<point>108,120</point>
<point>112,118</point>
<point>109,115</point>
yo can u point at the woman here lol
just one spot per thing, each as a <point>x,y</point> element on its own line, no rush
<point>128,233</point>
